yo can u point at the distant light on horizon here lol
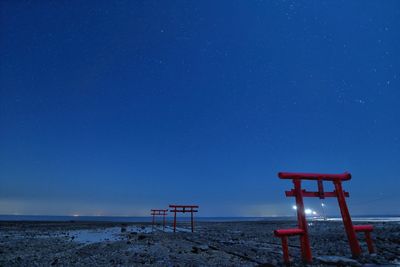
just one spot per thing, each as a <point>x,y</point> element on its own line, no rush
<point>306,211</point>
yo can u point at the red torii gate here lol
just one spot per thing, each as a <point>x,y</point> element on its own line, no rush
<point>161,213</point>
<point>183,209</point>
<point>302,230</point>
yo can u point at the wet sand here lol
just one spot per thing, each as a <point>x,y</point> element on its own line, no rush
<point>212,244</point>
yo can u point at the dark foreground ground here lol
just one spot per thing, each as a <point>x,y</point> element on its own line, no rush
<point>213,244</point>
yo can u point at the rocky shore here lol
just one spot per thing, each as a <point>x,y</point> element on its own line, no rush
<point>212,244</point>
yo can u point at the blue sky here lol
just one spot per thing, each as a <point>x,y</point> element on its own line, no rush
<point>113,108</point>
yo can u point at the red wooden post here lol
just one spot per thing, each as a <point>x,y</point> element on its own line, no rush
<point>348,224</point>
<point>192,220</point>
<point>174,220</point>
<point>285,250</point>
<point>369,242</point>
<point>164,220</point>
<point>302,222</point>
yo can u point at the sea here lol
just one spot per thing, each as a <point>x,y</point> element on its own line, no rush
<point>53,218</point>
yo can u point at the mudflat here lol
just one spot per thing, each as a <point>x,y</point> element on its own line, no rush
<point>76,243</point>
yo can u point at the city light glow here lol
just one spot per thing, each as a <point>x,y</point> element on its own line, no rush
<point>308,211</point>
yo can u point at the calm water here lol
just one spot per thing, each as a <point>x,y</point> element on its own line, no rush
<point>129,219</point>
<point>181,218</point>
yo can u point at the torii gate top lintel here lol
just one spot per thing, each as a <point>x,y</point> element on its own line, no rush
<point>298,177</point>
<point>159,212</point>
<point>315,176</point>
<point>184,206</point>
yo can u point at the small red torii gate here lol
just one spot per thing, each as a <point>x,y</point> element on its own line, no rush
<point>302,230</point>
<point>183,209</point>
<point>161,212</point>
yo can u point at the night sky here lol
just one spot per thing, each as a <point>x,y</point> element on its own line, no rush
<point>116,107</point>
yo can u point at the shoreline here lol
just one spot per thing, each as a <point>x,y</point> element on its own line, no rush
<point>143,219</point>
